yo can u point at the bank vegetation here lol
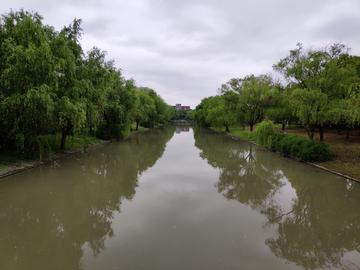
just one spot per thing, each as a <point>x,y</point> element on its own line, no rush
<point>319,89</point>
<point>51,89</point>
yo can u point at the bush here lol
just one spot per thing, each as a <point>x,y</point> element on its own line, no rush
<point>273,141</point>
<point>284,145</point>
<point>148,124</point>
<point>109,133</point>
<point>291,144</point>
<point>311,151</point>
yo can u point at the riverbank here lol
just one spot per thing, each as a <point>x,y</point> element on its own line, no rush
<point>24,165</point>
<point>346,160</point>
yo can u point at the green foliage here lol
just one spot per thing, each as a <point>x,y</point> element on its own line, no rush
<point>255,96</point>
<point>223,110</point>
<point>319,151</point>
<point>26,118</point>
<point>48,85</point>
<point>291,144</point>
<point>320,83</point>
<point>145,109</point>
<point>300,147</point>
<point>264,131</point>
<point>105,132</point>
<point>202,111</point>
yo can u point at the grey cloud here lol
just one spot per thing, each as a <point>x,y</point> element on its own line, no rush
<point>100,26</point>
<point>340,28</point>
<point>186,49</point>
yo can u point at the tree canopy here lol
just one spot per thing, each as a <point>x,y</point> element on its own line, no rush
<point>48,85</point>
<point>321,89</point>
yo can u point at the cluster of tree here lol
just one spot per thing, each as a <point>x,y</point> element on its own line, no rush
<point>322,90</point>
<point>184,114</point>
<point>151,109</point>
<point>49,85</point>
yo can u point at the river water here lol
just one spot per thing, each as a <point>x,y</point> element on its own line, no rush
<point>179,198</point>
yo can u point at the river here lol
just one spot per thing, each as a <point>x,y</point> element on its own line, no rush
<point>179,198</point>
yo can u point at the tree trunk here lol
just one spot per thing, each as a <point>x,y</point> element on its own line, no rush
<point>310,132</point>
<point>321,132</point>
<point>347,133</point>
<point>65,131</point>
<point>63,139</point>
<point>137,125</point>
<point>251,128</point>
<point>227,128</point>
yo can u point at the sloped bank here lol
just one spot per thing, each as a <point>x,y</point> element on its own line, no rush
<point>27,165</point>
<point>307,162</point>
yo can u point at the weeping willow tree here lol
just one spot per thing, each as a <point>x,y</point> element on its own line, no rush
<point>264,131</point>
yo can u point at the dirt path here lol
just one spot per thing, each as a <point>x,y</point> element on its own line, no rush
<point>316,134</point>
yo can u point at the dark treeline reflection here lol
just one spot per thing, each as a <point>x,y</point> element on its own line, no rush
<point>323,222</point>
<point>48,216</point>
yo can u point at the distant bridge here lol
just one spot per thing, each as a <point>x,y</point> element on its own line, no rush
<point>182,122</point>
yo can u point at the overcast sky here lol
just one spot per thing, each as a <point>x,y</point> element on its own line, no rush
<point>186,49</point>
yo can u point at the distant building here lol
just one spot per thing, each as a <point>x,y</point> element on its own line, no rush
<point>178,107</point>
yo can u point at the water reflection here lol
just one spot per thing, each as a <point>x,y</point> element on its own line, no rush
<point>182,129</point>
<point>48,216</point>
<point>53,217</point>
<point>245,176</point>
<point>323,221</point>
<point>322,225</point>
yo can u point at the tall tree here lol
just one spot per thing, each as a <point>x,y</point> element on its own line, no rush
<point>256,93</point>
<point>202,111</point>
<point>27,81</point>
<point>315,81</point>
<point>145,107</point>
<point>70,91</point>
<point>223,110</point>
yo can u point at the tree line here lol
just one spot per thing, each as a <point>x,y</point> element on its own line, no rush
<point>49,85</point>
<point>320,88</point>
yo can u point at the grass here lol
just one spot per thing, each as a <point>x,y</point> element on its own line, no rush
<point>238,131</point>
<point>71,141</point>
<point>7,159</point>
<point>347,155</point>
<point>346,158</point>
<point>133,127</point>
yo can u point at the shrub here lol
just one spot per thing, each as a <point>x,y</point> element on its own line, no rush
<point>147,124</point>
<point>109,133</point>
<point>274,140</point>
<point>264,131</point>
<point>285,144</point>
<point>303,149</point>
<point>315,151</point>
<point>291,144</point>
<point>296,145</point>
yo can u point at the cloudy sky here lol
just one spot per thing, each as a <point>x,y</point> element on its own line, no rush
<point>186,49</point>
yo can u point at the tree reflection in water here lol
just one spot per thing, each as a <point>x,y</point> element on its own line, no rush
<point>48,214</point>
<point>245,176</point>
<point>324,221</point>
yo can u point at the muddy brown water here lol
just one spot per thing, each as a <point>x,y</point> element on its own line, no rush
<point>179,198</point>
